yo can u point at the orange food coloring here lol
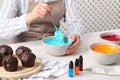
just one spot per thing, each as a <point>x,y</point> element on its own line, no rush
<point>106,48</point>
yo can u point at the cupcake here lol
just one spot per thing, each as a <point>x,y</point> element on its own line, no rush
<point>4,51</point>
<point>10,63</point>
<point>21,50</point>
<point>1,58</point>
<point>27,59</point>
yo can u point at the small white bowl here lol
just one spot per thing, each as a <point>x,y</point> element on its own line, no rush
<point>110,36</point>
<point>104,58</point>
<point>55,50</point>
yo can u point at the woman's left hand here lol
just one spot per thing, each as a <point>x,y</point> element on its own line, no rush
<point>75,38</point>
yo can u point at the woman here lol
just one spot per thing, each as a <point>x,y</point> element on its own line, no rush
<point>32,18</point>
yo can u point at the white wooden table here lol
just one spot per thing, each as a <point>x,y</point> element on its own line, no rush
<point>91,38</point>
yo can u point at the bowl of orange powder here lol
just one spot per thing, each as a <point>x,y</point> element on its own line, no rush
<point>105,53</point>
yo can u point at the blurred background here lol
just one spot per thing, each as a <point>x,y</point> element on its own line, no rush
<point>96,15</point>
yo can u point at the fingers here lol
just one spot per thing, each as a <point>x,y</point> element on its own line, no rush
<point>73,37</point>
<point>41,10</point>
<point>70,51</point>
<point>44,9</point>
<point>75,41</point>
<point>75,44</point>
<point>47,7</point>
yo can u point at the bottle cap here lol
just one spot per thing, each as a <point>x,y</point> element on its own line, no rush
<point>76,62</point>
<point>80,59</point>
<point>71,64</point>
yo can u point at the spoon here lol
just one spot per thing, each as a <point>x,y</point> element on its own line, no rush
<point>52,19</point>
<point>58,33</point>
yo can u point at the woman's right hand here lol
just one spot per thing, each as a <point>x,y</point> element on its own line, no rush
<point>41,10</point>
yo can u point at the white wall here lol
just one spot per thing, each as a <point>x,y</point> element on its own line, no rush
<point>99,15</point>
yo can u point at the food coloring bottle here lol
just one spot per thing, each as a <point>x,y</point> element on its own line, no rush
<point>71,70</point>
<point>81,63</point>
<point>77,68</point>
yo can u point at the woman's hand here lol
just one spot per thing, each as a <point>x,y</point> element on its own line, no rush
<point>75,38</point>
<point>41,10</point>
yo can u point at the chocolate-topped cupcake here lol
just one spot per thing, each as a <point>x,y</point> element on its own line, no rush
<point>1,58</point>
<point>10,63</point>
<point>21,50</point>
<point>4,51</point>
<point>28,59</point>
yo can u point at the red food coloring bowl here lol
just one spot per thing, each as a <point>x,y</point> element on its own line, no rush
<point>111,37</point>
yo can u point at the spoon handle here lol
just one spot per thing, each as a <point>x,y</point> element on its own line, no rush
<point>53,21</point>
